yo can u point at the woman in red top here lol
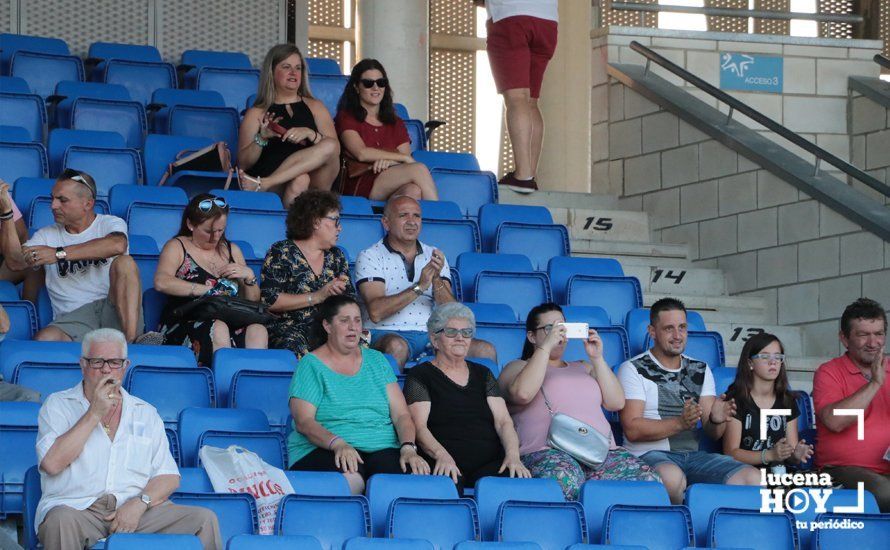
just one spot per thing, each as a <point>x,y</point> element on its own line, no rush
<point>375,141</point>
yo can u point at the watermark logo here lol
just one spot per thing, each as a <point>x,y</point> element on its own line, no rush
<point>800,492</point>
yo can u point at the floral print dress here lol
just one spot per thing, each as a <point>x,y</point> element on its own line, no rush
<point>286,270</point>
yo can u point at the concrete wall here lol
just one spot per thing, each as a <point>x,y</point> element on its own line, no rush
<point>869,124</point>
<point>769,238</point>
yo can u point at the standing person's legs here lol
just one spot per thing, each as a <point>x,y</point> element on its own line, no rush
<point>65,528</point>
<point>169,518</point>
<point>873,482</point>
<point>542,47</point>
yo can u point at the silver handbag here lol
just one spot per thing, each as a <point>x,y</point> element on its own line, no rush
<point>580,440</point>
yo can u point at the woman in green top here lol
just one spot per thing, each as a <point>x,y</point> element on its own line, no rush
<point>349,413</point>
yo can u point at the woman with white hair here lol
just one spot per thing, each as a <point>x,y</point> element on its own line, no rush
<point>463,427</point>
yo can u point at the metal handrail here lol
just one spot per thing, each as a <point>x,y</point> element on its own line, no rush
<point>737,12</point>
<point>755,115</point>
<point>882,60</point>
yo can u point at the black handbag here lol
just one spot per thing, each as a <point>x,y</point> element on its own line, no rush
<point>233,311</point>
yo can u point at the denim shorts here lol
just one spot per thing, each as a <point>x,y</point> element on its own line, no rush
<point>697,466</point>
<point>418,341</point>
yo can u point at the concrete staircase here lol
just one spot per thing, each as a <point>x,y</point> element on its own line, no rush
<point>598,226</point>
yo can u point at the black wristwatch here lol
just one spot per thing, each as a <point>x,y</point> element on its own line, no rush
<point>61,254</point>
<point>408,444</point>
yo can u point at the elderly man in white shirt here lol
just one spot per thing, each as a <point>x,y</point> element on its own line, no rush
<point>105,463</point>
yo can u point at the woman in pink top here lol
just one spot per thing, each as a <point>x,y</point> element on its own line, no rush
<point>579,389</point>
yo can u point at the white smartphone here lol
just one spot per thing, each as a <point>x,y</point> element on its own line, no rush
<point>576,330</point>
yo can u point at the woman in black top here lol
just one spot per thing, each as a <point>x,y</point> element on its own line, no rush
<point>761,382</point>
<point>463,427</point>
<point>307,152</point>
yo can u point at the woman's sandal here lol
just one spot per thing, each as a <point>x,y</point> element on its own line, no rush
<point>244,178</point>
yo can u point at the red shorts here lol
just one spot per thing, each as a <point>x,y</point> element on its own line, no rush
<point>519,48</point>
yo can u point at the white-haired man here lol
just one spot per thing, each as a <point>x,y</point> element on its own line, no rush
<point>105,462</point>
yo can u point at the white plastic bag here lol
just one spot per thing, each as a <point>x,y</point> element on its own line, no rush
<point>238,470</point>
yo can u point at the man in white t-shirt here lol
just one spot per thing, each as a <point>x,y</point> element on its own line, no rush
<point>400,279</point>
<point>666,395</point>
<point>92,281</point>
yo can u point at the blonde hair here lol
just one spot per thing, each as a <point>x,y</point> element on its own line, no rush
<point>265,95</point>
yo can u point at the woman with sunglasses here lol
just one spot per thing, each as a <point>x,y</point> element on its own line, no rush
<point>201,261</point>
<point>463,427</point>
<point>375,142</point>
<point>287,140</point>
<point>579,389</point>
<point>303,270</point>
<point>761,382</point>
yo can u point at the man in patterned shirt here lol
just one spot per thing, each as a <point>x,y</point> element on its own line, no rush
<point>666,395</point>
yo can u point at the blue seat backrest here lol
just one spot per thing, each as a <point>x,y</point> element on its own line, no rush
<point>615,348</point>
<point>228,361</point>
<point>359,233</point>
<point>120,197</point>
<point>617,295</point>
<point>521,521</point>
<point>14,85</point>
<point>355,205</point>
<point>269,446</point>
<point>705,346</point>
<point>507,338</point>
<point>168,356</point>
<point>18,430</point>
<point>15,134</point>
<point>260,228</point>
<point>723,377</point>
<point>124,117</point>
<point>26,190</point>
<point>69,90</point>
<point>170,97</point>
<point>249,200</point>
<point>875,528</point>
<point>451,161</point>
<point>838,497</point>
<point>23,109</point>
<point>492,313</point>
<point>443,522</point>
<point>15,351</point>
<point>382,489</point>
<point>22,160</point>
<point>236,512</point>
<point>215,123</point>
<point>522,291</point>
<point>323,65</point>
<point>440,210</point>
<point>194,480</point>
<point>110,166</point>
<point>655,527</point>
<point>561,268</point>
<point>323,484</point>
<point>60,139</point>
<point>280,542</point>
<point>29,507</point>
<point>540,243</point>
<point>116,50</point>
<point>11,43</point>
<point>469,264</point>
<point>332,520</point>
<point>47,378</point>
<point>703,498</point>
<point>598,495</point>
<point>452,237</point>
<point>43,71</point>
<point>730,527</point>
<point>161,150</point>
<point>637,322</point>
<point>194,421</point>
<point>213,58</point>
<point>235,85</point>
<point>470,189</point>
<point>8,292</point>
<point>22,317</point>
<point>170,390</point>
<point>416,133</point>
<point>158,221</point>
<point>594,316</point>
<point>140,78</point>
<point>492,215</point>
<point>328,88</point>
<point>491,492</point>
<point>268,391</point>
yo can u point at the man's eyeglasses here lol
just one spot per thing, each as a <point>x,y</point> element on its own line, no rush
<point>335,219</point>
<point>380,82</point>
<point>99,362</point>
<point>207,204</point>
<point>770,357</point>
<point>451,332</point>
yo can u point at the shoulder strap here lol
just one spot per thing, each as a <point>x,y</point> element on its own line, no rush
<point>546,401</point>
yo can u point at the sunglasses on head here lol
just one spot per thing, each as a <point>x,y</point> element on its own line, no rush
<point>380,82</point>
<point>74,175</point>
<point>207,204</point>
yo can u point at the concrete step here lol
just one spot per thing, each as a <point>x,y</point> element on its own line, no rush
<point>559,199</point>
<point>673,279</point>
<point>606,225</point>
<point>651,252</point>
<point>719,309</point>
<point>736,334</point>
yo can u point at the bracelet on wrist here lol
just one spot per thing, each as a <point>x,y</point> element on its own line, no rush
<point>309,297</point>
<point>250,282</point>
<point>332,441</point>
<point>763,457</point>
<point>315,139</point>
<point>6,216</point>
<point>258,139</point>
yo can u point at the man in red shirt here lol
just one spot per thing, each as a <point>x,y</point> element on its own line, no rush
<point>856,380</point>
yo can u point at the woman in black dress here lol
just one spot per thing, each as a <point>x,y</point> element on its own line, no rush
<point>463,427</point>
<point>306,153</point>
<point>201,261</point>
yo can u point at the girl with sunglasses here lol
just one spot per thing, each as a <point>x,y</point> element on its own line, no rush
<point>287,140</point>
<point>761,382</point>
<point>201,261</point>
<point>375,143</point>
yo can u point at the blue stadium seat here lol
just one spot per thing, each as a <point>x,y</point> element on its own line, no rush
<point>43,71</point>
<point>383,489</point>
<point>161,150</point>
<point>563,523</point>
<point>443,522</point>
<point>359,233</point>
<point>598,495</point>
<point>26,190</point>
<point>479,545</point>
<point>19,160</point>
<point>45,377</point>
<point>124,117</point>
<point>723,377</point>
<point>655,527</point>
<point>171,389</point>
<point>101,51</point>
<point>137,541</point>
<point>522,291</point>
<point>469,264</point>
<point>876,528</point>
<point>60,139</point>
<point>193,60</point>
<point>452,237</point>
<point>491,492</point>
<point>731,527</point>
<point>15,134</point>
<point>236,512</point>
<point>144,252</point>
<point>269,446</point>
<point>249,200</point>
<point>540,243</point>
<point>22,317</point>
<point>168,356</point>
<point>140,78</point>
<point>282,542</point>
<point>214,123</point>
<point>13,352</point>
<point>322,484</point>
<point>41,214</point>
<point>328,88</point>
<point>450,161</point>
<point>703,498</point>
<point>44,308</point>
<point>158,221</point>
<point>456,289</point>
<point>268,391</point>
<point>617,295</point>
<point>416,134</point>
<point>18,430</point>
<point>173,444</point>
<point>195,421</point>
<point>470,189</point>
<point>110,166</point>
<point>615,349</point>
<point>30,499</point>
<point>637,322</point>
<point>323,65</point>
<point>11,43</point>
<point>492,313</point>
<point>562,268</point>
<point>366,543</point>
<point>14,84</point>
<point>228,361</point>
<point>507,338</point>
<point>194,480</point>
<point>68,91</point>
<point>491,216</point>
<point>355,205</point>
<point>259,228</point>
<point>332,520</point>
<point>235,85</point>
<point>171,97</point>
<point>592,315</point>
<point>8,292</point>
<point>25,110</point>
<point>705,346</point>
<point>440,210</point>
<point>838,497</point>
